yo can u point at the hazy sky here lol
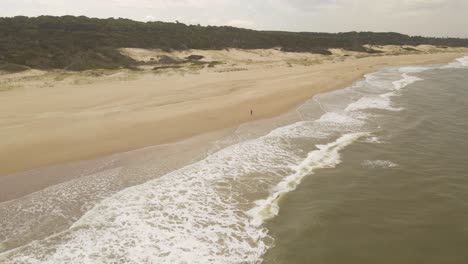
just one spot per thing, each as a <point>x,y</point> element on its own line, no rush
<point>414,17</point>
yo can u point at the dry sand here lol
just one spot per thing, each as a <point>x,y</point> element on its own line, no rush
<point>54,117</point>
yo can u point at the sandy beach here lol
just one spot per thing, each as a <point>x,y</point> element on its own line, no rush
<point>239,132</point>
<point>49,118</point>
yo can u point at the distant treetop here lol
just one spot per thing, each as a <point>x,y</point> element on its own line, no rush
<point>76,43</point>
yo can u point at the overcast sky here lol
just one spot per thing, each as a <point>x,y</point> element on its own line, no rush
<point>415,17</point>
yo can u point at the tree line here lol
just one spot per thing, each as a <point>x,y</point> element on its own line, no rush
<point>79,43</point>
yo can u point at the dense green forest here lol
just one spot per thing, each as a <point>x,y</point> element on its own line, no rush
<point>78,43</point>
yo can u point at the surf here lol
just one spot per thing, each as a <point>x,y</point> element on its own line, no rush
<point>215,210</point>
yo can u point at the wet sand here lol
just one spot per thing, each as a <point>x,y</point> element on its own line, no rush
<point>42,126</point>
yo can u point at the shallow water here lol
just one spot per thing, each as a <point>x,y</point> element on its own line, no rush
<point>372,173</point>
<point>401,198</point>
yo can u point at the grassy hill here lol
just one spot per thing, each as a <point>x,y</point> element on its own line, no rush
<point>80,43</point>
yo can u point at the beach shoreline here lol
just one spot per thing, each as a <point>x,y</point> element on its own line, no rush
<point>75,189</point>
<point>67,123</point>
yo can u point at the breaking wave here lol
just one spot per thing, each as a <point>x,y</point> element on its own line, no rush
<point>213,211</point>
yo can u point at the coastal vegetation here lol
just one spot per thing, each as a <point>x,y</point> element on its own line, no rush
<point>81,43</point>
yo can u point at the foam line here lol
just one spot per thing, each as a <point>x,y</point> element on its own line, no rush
<point>212,211</point>
<point>326,156</point>
<point>407,80</point>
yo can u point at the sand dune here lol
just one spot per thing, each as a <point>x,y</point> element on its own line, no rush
<point>54,117</point>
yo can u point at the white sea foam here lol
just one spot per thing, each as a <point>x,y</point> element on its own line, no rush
<point>197,214</point>
<point>374,164</point>
<point>192,215</point>
<point>304,129</point>
<point>326,156</point>
<point>374,140</point>
<point>340,118</point>
<point>458,63</point>
<point>383,100</point>
<point>379,81</point>
<point>212,211</point>
<point>375,80</point>
<point>59,204</point>
<point>407,80</point>
<point>415,69</point>
<point>183,217</point>
<point>374,102</point>
<point>463,61</point>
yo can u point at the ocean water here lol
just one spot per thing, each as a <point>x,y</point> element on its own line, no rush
<point>373,173</point>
